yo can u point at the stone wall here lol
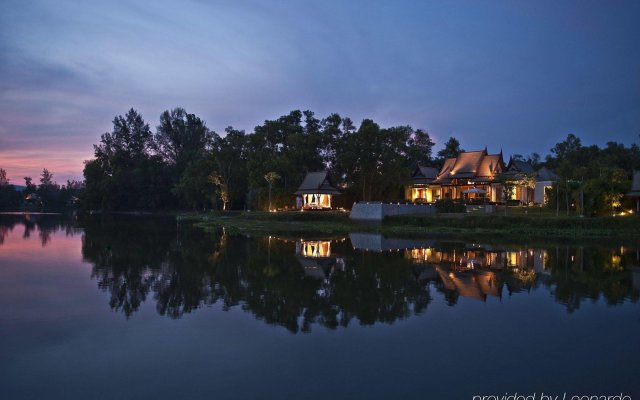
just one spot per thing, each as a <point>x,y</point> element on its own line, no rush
<point>374,211</point>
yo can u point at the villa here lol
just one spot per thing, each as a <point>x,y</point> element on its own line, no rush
<point>470,175</point>
<point>316,191</point>
<point>476,176</point>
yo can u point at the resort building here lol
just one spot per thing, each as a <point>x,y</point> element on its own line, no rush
<point>316,191</point>
<point>635,190</point>
<point>544,183</point>
<point>523,176</point>
<point>470,175</point>
<point>475,176</point>
<point>420,191</point>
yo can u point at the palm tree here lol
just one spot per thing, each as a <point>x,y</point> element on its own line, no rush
<point>271,177</point>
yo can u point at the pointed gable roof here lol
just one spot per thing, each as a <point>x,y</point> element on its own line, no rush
<point>471,165</point>
<point>428,172</point>
<point>545,174</point>
<point>318,183</point>
<point>519,166</point>
<point>467,163</point>
<point>491,164</point>
<point>423,175</point>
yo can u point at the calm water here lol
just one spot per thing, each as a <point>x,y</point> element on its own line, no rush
<point>148,308</point>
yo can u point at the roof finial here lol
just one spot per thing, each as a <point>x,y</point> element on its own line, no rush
<point>485,148</point>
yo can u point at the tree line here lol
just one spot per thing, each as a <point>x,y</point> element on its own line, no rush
<point>46,196</point>
<point>182,164</point>
<point>185,165</point>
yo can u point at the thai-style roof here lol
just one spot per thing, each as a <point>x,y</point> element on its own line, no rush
<point>545,174</point>
<point>471,165</point>
<point>519,166</point>
<point>423,175</point>
<point>317,183</point>
<point>490,165</point>
<point>635,185</point>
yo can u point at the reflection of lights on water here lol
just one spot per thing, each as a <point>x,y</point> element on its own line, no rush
<point>316,248</point>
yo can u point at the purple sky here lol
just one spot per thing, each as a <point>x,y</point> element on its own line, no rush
<point>516,75</point>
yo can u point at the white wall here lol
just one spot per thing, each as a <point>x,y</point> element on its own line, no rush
<point>538,193</point>
<point>377,211</point>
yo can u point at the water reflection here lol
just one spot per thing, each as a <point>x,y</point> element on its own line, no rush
<point>300,282</point>
<point>44,225</point>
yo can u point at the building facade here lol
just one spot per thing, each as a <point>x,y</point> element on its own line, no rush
<point>470,176</point>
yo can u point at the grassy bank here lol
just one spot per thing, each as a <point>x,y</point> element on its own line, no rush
<point>275,223</point>
<point>339,223</point>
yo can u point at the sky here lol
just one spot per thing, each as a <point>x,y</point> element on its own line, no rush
<point>512,75</point>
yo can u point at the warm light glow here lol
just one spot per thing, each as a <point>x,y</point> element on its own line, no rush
<point>316,248</point>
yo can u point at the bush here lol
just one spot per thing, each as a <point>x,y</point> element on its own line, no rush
<point>450,206</point>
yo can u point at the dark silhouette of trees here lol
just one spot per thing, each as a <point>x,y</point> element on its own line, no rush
<point>184,165</point>
<point>10,198</point>
<point>451,149</point>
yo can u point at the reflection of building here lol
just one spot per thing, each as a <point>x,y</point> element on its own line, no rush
<point>537,260</point>
<point>457,259</point>
<point>316,259</point>
<point>314,248</point>
<point>377,242</point>
<point>476,285</point>
<point>316,191</point>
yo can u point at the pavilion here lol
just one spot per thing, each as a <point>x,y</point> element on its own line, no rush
<point>316,191</point>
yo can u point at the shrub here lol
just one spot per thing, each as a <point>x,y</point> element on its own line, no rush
<point>449,206</point>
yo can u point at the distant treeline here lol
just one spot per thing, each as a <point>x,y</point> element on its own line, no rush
<point>185,165</point>
<point>47,196</point>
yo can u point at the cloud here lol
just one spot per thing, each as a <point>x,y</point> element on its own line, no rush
<point>518,76</point>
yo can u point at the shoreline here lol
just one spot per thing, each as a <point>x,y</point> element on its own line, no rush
<point>526,227</point>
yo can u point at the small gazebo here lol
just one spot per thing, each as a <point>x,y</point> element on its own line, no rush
<point>316,191</point>
<point>635,190</point>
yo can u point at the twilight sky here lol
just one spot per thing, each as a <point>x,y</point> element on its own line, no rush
<point>517,75</point>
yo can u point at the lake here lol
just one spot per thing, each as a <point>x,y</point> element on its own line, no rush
<point>147,307</point>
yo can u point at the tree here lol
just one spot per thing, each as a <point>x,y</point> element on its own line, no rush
<point>566,148</point>
<point>451,149</point>
<point>10,198</point>
<point>420,147</point>
<point>374,161</point>
<point>127,146</point>
<point>223,188</point>
<point>271,177</point>
<point>181,138</point>
<point>231,160</point>
<point>508,184</point>
<point>29,186</point>
<point>3,177</point>
<point>194,188</point>
<point>125,175</point>
<point>46,178</point>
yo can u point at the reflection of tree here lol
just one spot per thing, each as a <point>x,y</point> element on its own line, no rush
<point>127,257</point>
<point>187,268</point>
<point>4,232</point>
<point>183,268</point>
<point>588,273</point>
<point>45,225</point>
